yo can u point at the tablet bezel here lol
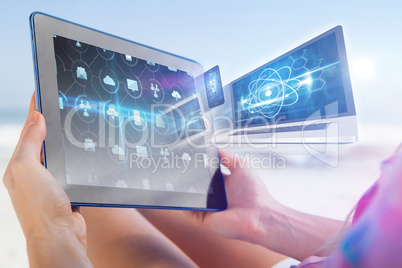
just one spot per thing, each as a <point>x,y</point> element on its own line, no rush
<point>43,27</point>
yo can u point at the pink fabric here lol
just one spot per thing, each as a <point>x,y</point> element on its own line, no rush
<point>312,262</point>
<point>375,238</point>
<point>365,201</point>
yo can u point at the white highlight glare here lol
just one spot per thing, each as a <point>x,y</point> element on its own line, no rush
<point>363,68</point>
<point>306,81</point>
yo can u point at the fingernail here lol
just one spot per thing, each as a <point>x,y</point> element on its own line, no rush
<point>33,118</point>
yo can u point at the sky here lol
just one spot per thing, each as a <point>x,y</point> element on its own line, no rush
<point>236,35</point>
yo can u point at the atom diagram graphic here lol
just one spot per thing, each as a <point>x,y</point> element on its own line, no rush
<point>271,91</point>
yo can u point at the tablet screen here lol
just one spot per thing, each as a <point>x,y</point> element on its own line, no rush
<point>127,122</point>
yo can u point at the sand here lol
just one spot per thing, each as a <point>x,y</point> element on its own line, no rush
<point>306,184</point>
<point>12,241</point>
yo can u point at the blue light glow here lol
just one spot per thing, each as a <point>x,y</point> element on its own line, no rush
<point>292,87</point>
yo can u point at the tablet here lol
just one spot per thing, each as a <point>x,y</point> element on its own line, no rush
<point>213,86</point>
<point>126,125</point>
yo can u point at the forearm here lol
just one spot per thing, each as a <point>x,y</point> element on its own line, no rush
<point>56,248</point>
<point>293,233</point>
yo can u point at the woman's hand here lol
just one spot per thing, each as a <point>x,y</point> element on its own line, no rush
<point>248,200</point>
<point>253,215</point>
<point>55,234</point>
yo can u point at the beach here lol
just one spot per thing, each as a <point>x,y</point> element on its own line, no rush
<point>12,242</point>
<point>303,182</point>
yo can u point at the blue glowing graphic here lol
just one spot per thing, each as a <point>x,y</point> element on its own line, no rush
<point>115,105</point>
<point>109,81</point>
<point>292,87</point>
<point>272,90</point>
<point>213,86</point>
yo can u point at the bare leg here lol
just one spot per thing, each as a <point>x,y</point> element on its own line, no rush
<point>206,248</point>
<point>119,237</point>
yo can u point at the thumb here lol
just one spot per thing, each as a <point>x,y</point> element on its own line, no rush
<point>229,160</point>
<point>32,139</point>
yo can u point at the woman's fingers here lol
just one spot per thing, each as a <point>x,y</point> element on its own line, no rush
<point>228,160</point>
<point>33,137</point>
<point>29,147</point>
<point>32,107</point>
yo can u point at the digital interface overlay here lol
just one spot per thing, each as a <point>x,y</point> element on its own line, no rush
<point>213,86</point>
<point>292,88</point>
<point>125,113</point>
